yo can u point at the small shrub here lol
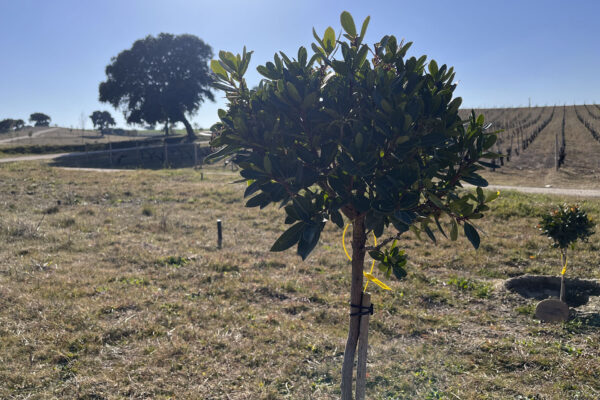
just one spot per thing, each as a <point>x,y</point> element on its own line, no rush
<point>565,225</point>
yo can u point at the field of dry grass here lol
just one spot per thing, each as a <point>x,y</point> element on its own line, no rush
<point>112,286</point>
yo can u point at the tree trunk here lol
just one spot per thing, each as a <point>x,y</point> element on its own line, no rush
<point>188,128</point>
<point>359,238</point>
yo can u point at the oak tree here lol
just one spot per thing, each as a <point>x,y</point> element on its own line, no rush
<point>162,79</point>
<point>40,119</point>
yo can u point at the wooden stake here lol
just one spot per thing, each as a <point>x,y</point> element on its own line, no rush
<point>363,344</point>
<point>219,234</point>
<point>556,151</point>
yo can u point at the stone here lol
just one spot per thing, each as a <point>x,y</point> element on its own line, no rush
<point>552,310</point>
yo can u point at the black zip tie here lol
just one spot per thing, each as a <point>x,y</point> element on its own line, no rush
<point>363,310</point>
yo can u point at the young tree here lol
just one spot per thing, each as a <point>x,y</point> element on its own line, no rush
<point>160,79</point>
<point>40,119</point>
<point>375,141</point>
<point>102,120</point>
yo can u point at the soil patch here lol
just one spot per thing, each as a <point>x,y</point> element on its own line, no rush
<point>540,287</point>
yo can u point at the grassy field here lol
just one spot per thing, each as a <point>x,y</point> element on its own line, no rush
<point>111,286</point>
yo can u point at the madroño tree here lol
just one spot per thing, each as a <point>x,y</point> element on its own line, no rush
<point>160,79</point>
<point>102,120</point>
<point>40,119</point>
<point>358,134</point>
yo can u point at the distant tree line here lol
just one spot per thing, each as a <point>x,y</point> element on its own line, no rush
<point>11,125</point>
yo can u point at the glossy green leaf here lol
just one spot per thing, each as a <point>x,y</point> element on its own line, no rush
<point>454,230</point>
<point>365,24</point>
<point>348,23</point>
<point>289,238</point>
<point>216,67</point>
<point>472,234</point>
<point>329,40</point>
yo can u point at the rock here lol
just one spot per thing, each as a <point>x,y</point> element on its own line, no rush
<point>552,310</point>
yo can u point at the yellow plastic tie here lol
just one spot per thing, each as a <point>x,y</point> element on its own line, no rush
<point>376,281</point>
<point>372,264</point>
<point>564,265</point>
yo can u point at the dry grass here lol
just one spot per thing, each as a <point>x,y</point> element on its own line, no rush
<point>111,286</point>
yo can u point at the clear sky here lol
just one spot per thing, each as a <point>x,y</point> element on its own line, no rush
<point>504,52</point>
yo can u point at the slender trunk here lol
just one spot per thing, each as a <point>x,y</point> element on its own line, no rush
<point>359,238</point>
<point>188,128</point>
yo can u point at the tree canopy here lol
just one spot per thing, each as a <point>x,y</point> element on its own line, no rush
<point>160,79</point>
<point>339,136</point>
<point>40,119</point>
<point>102,120</point>
<point>9,124</point>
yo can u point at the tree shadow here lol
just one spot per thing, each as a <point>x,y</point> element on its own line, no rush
<point>176,154</point>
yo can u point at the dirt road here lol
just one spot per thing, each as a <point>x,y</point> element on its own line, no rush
<point>552,190</point>
<point>522,189</point>
<point>35,134</point>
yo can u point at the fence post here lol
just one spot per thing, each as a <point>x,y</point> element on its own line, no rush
<point>110,152</point>
<point>195,154</point>
<point>166,163</point>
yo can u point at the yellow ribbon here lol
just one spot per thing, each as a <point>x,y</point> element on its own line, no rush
<point>368,275</point>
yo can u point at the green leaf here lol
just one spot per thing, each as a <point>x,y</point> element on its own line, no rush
<point>472,235</point>
<point>289,238</point>
<point>317,38</point>
<point>361,56</point>
<point>429,233</point>
<point>454,230</point>
<point>267,165</point>
<point>348,23</point>
<point>475,179</point>
<point>492,196</point>
<point>365,24</point>
<point>216,67</point>
<point>437,222</point>
<point>399,272</point>
<point>260,200</point>
<point>336,218</point>
<point>308,240</point>
<point>433,67</point>
<point>435,200</point>
<point>293,92</point>
<point>329,40</point>
<point>480,197</point>
<point>376,255</point>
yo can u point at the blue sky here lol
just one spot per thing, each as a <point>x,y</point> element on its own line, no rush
<point>504,52</point>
